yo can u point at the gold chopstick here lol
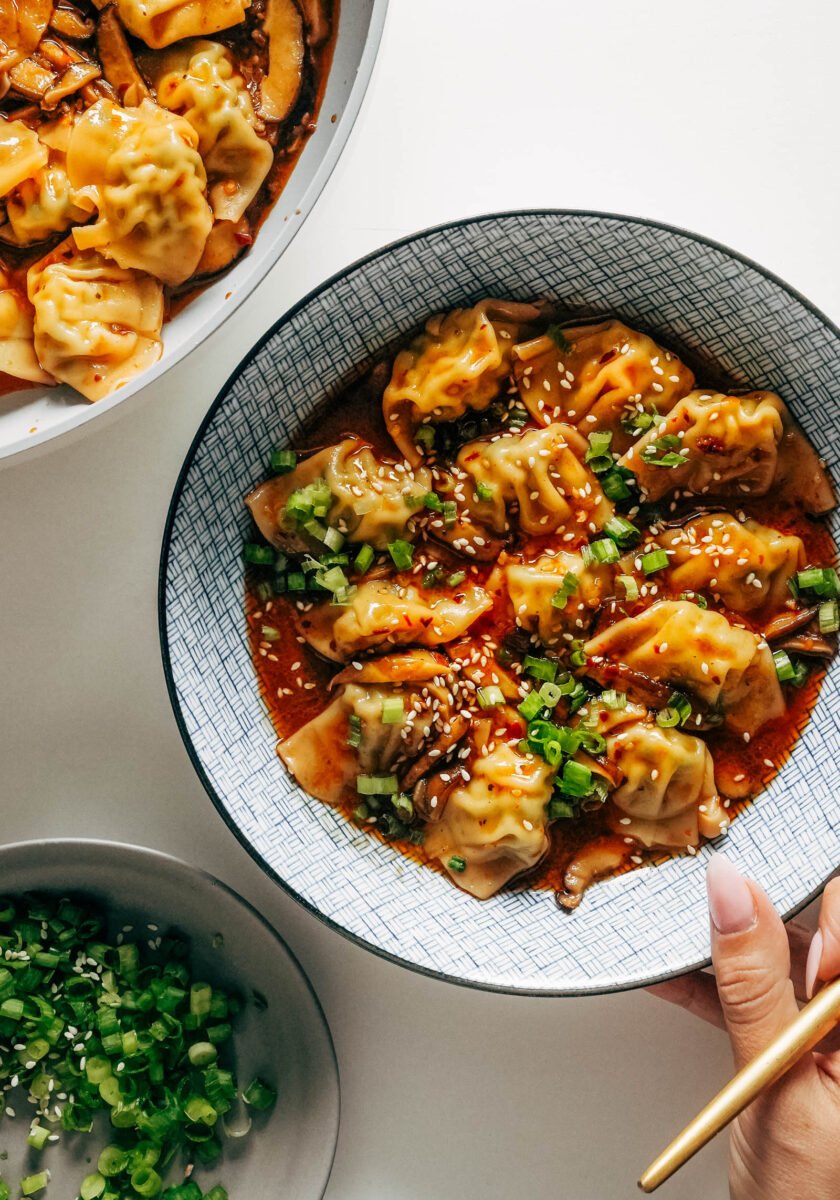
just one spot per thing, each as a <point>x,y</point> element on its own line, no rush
<point>815,1020</point>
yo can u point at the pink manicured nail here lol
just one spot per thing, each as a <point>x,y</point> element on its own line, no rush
<point>731,902</point>
<point>815,954</point>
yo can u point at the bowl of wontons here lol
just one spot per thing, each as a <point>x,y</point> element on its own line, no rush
<point>511,597</point>
<point>156,159</point>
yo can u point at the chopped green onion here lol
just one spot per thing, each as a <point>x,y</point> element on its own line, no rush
<point>217,1193</point>
<point>403,807</point>
<point>202,1054</point>
<point>402,553</point>
<point>31,1184</point>
<point>592,742</point>
<point>531,706</point>
<point>377,785</point>
<point>490,697</point>
<point>695,598</point>
<point>676,712</point>
<point>657,560</point>
<point>260,556</point>
<point>456,579</point>
<point>296,581</point>
<point>578,657</point>
<point>604,550</point>
<point>829,616</point>
<point>361,813</point>
<point>333,540</point>
<point>561,810</point>
<point>364,559</point>
<point>393,710</point>
<point>540,668</point>
<point>315,529</point>
<point>146,1181</point>
<point>450,513</point>
<point>598,455</point>
<point>112,1160</point>
<point>821,580</point>
<point>613,700</point>
<point>38,1135</point>
<point>800,673</point>
<point>283,461</point>
<point>578,697</point>
<point>631,588</point>
<point>557,336</point>
<point>457,864</point>
<point>566,590</point>
<point>576,779</point>
<point>484,491</point>
<point>433,502</point>
<point>431,578</point>
<point>425,435</point>
<point>623,532</point>
<point>333,579</point>
<point>92,1187</point>
<point>614,483</point>
<point>587,555</point>
<point>784,667</point>
<point>550,694</point>
<point>269,633</point>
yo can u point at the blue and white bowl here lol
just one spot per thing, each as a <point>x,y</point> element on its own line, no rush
<point>631,930</point>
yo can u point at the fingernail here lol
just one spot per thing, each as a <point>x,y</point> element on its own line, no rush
<point>731,903</point>
<point>815,954</point>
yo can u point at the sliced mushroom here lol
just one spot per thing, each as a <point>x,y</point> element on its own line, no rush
<point>118,65</point>
<point>281,86</point>
<point>72,80</point>
<point>640,688</point>
<point>227,240</point>
<point>789,622</point>
<point>31,78</point>
<point>69,21</point>
<point>317,18</point>
<point>514,311</point>
<point>456,725</point>
<point>812,645</point>
<point>431,795</point>
<point>602,857</point>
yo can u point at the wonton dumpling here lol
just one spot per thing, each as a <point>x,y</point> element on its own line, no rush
<point>22,154</point>
<point>96,324</point>
<point>17,351</point>
<point>158,23</point>
<point>382,612</point>
<point>532,587</point>
<point>141,169</point>
<point>730,445</point>
<point>496,823</point>
<point>318,754</point>
<point>45,203</point>
<point>700,651</point>
<point>746,563</point>
<point>199,81</point>
<point>542,472</point>
<point>372,501</point>
<point>608,372</point>
<point>668,786</point>
<point>456,364</point>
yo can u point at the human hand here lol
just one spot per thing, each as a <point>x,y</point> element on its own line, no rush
<point>787,1143</point>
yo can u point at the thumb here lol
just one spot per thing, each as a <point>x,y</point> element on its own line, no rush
<point>751,957</point>
<point>824,955</point>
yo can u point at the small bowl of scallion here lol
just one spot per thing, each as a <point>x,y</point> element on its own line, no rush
<point>157,1038</point>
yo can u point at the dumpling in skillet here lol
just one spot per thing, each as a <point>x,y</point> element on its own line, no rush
<point>96,325</point>
<point>199,81</point>
<point>141,169</point>
<point>160,22</point>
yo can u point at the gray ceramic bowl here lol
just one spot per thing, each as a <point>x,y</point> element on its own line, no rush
<point>288,1042</point>
<point>631,930</point>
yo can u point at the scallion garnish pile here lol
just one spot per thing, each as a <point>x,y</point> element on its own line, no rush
<point>120,1028</point>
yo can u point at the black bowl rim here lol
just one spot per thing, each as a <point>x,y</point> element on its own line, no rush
<point>36,847</point>
<point>381,252</point>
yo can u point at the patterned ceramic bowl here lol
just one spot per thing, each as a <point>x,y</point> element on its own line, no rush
<point>633,929</point>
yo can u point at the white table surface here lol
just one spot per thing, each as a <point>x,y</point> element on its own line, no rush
<point>719,117</point>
